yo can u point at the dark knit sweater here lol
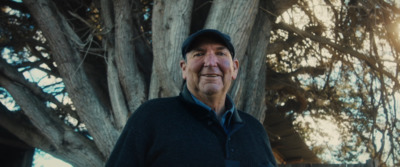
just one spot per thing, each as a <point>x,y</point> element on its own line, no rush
<point>175,132</point>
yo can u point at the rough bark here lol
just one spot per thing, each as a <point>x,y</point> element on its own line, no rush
<point>236,18</point>
<point>250,86</point>
<point>119,106</point>
<point>171,23</point>
<point>131,79</point>
<point>61,39</point>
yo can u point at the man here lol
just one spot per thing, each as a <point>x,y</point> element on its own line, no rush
<point>200,127</point>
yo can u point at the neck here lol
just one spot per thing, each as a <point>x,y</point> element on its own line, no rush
<point>217,103</point>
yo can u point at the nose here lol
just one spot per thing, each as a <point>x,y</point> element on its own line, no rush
<point>210,59</point>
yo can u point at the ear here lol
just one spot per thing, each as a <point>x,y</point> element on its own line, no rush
<point>235,68</point>
<point>182,63</point>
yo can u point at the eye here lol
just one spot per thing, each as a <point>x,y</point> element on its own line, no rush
<point>198,54</point>
<point>221,53</point>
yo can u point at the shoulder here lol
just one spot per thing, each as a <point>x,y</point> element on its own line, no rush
<point>156,110</point>
<point>251,121</point>
<point>159,103</point>
<point>247,117</point>
<point>158,106</point>
<point>254,127</point>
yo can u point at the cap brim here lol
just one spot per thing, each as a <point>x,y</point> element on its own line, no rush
<point>221,37</point>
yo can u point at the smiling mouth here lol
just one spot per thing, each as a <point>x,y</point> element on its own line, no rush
<point>210,75</point>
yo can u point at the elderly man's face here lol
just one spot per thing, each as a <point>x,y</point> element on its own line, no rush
<point>209,69</point>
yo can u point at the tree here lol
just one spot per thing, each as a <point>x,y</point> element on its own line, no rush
<point>105,58</point>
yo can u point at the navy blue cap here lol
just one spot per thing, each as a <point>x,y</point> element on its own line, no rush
<point>215,34</point>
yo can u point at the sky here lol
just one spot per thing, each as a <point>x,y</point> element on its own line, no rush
<point>42,159</point>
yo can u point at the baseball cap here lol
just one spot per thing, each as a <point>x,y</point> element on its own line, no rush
<point>212,33</point>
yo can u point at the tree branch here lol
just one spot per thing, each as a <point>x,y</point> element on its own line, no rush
<point>13,75</point>
<point>281,6</point>
<point>368,60</point>
<point>20,126</point>
<point>65,47</point>
<point>119,107</point>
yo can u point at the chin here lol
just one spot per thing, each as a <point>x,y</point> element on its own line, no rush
<point>212,90</point>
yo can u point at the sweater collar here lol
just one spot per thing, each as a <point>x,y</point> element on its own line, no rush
<point>200,111</point>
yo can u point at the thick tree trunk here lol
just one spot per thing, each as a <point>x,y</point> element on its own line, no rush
<point>171,23</point>
<point>236,18</point>
<point>131,79</point>
<point>250,86</point>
